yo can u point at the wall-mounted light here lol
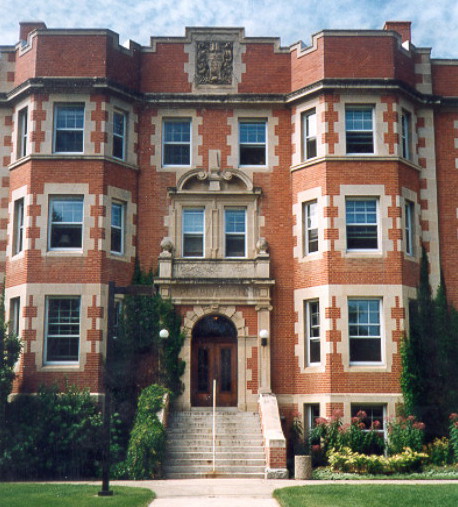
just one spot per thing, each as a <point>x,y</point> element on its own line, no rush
<point>264,334</point>
<point>164,334</point>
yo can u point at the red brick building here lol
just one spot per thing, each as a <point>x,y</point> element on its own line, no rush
<point>281,194</point>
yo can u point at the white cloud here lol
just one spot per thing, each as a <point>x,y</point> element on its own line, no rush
<point>433,23</point>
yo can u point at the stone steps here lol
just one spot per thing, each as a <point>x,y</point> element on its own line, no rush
<point>239,445</point>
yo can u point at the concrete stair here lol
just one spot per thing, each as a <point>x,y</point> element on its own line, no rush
<point>239,444</point>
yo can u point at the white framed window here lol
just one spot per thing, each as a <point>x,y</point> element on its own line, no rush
<point>311,414</point>
<point>193,232</point>
<point>69,128</point>
<point>406,134</point>
<point>15,315</point>
<point>235,232</point>
<point>62,342</point>
<point>119,134</point>
<point>117,227</point>
<point>365,330</point>
<point>373,416</point>
<point>176,149</point>
<point>22,132</point>
<point>310,225</point>
<point>18,235</point>
<point>359,129</point>
<point>309,134</point>
<point>252,142</point>
<point>409,214</point>
<point>66,222</point>
<point>361,223</point>
<point>312,331</point>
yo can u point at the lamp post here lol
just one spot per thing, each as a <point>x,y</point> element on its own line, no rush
<point>133,290</point>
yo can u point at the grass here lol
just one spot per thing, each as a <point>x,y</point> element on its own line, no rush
<point>63,495</point>
<point>375,495</point>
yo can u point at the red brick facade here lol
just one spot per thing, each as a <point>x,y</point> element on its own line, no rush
<point>352,141</point>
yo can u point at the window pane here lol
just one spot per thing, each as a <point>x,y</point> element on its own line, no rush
<point>252,138</point>
<point>235,232</point>
<point>66,223</point>
<point>359,130</point>
<point>364,330</point>
<point>193,232</point>
<point>177,142</point>
<point>69,129</point>
<point>361,218</point>
<point>63,328</point>
<point>365,350</point>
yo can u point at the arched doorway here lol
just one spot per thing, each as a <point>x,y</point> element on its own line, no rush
<point>214,356</point>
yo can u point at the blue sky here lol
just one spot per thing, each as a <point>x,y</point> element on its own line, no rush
<point>434,23</point>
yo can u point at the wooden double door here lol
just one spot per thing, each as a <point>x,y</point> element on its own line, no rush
<point>214,358</point>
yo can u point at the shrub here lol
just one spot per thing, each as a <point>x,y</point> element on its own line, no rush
<point>440,451</point>
<point>345,460</point>
<point>325,434</point>
<point>454,435</point>
<point>147,438</point>
<point>405,432</point>
<point>52,435</point>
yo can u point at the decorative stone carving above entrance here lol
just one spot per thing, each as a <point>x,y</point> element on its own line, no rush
<point>214,62</point>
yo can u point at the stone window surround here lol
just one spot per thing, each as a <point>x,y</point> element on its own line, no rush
<point>122,196</point>
<point>214,225</point>
<point>310,195</point>
<point>324,294</point>
<point>38,322</point>
<point>65,189</point>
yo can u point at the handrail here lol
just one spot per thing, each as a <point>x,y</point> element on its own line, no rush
<point>214,426</point>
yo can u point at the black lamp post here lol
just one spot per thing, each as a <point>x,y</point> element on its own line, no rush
<point>133,290</point>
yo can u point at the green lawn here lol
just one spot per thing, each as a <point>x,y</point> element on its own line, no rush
<point>363,495</point>
<point>62,495</point>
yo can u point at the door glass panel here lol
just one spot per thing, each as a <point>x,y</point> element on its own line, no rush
<point>226,370</point>
<point>202,370</point>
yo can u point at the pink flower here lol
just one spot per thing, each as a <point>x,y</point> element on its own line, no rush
<point>418,426</point>
<point>355,420</point>
<point>411,418</point>
<point>337,414</point>
<point>361,414</point>
<point>316,448</point>
<point>453,416</point>
<point>376,425</point>
<point>362,426</point>
<point>321,420</point>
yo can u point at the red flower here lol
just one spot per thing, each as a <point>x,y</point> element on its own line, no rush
<point>376,425</point>
<point>362,426</point>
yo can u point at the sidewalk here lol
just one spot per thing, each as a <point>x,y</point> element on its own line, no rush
<point>232,492</point>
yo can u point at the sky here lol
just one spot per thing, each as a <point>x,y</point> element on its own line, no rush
<point>434,23</point>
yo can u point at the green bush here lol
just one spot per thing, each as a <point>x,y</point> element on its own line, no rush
<point>147,438</point>
<point>345,460</point>
<point>440,452</point>
<point>52,435</point>
<point>454,435</point>
<point>405,432</point>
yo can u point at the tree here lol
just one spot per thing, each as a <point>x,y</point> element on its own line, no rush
<point>428,381</point>
<point>10,348</point>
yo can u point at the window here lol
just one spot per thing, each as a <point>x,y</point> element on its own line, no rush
<point>69,128</point>
<point>361,220</point>
<point>359,129</point>
<point>66,223</point>
<point>117,317</point>
<point>311,414</point>
<point>18,235</point>
<point>22,133</point>
<point>235,232</point>
<point>310,227</point>
<point>364,330</point>
<point>409,208</point>
<point>309,134</point>
<point>406,134</point>
<point>252,136</point>
<point>193,232</point>
<point>372,416</point>
<point>177,142</point>
<point>62,330</point>
<point>312,319</point>
<point>119,135</point>
<point>117,227</point>
<point>15,315</point>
